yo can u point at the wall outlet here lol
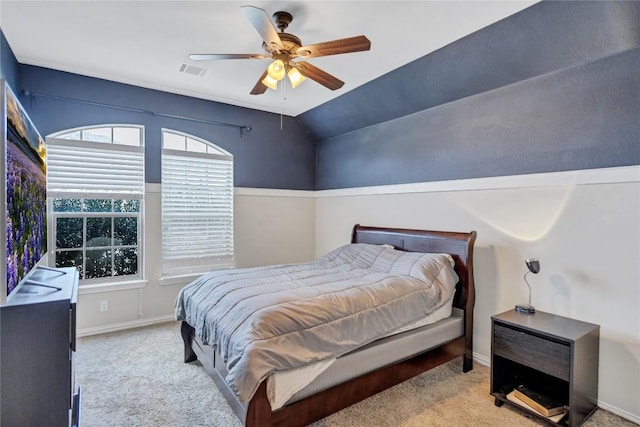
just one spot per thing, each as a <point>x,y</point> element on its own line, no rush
<point>104,305</point>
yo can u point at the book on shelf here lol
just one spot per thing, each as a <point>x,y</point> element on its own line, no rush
<point>539,400</point>
<point>555,418</point>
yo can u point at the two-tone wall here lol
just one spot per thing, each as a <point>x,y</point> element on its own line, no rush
<point>526,131</point>
<point>269,227</point>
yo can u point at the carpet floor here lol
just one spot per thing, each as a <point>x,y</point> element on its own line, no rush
<point>137,378</point>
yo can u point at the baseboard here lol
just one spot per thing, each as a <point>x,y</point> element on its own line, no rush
<point>622,413</point>
<point>85,332</point>
<point>481,359</point>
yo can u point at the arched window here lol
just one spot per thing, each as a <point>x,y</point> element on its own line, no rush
<point>95,187</point>
<point>197,205</point>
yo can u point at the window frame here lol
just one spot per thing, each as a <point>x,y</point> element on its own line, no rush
<point>112,215</point>
<point>194,266</point>
<point>62,139</point>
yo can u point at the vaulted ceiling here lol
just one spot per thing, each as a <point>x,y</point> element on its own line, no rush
<point>145,43</point>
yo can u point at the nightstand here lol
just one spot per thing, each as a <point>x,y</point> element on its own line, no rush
<point>542,350</point>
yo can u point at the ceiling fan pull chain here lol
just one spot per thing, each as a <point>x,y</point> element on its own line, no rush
<point>284,98</point>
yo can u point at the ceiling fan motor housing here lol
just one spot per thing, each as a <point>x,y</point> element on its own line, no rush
<point>290,42</point>
<point>282,20</point>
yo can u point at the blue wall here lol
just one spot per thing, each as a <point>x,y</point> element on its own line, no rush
<point>582,118</point>
<point>555,87</point>
<point>8,63</point>
<point>266,157</point>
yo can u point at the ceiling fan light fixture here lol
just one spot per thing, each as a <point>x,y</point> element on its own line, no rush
<point>270,82</point>
<point>282,48</point>
<point>295,77</point>
<point>276,70</point>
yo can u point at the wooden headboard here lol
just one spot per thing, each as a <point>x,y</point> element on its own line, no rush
<point>458,245</point>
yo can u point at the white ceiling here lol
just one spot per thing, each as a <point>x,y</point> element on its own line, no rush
<point>144,42</point>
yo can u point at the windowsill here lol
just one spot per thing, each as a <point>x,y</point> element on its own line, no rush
<point>184,279</point>
<point>178,280</point>
<point>112,286</point>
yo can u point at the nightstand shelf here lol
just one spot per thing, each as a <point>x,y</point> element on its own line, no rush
<point>546,351</point>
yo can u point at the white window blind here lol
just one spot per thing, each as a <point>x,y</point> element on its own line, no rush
<point>197,211</point>
<point>94,170</point>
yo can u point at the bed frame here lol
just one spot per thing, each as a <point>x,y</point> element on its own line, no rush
<point>258,412</point>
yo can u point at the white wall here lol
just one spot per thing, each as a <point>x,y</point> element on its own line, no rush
<point>273,226</point>
<point>583,226</point>
<point>270,227</point>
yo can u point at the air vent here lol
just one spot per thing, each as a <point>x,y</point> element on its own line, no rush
<point>193,70</point>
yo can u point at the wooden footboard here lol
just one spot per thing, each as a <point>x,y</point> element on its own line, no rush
<point>258,412</point>
<point>327,402</point>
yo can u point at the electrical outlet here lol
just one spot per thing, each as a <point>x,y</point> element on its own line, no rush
<point>104,305</point>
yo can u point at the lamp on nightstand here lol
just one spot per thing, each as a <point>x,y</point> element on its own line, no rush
<point>533,265</point>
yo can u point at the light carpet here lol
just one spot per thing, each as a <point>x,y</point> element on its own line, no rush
<point>137,378</point>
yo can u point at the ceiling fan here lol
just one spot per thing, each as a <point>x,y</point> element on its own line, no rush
<point>283,48</point>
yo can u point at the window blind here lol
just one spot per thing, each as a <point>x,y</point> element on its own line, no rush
<point>197,211</point>
<point>94,170</point>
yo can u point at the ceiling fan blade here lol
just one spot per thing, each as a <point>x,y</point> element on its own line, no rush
<point>261,22</point>
<point>260,87</point>
<point>335,47</point>
<point>322,77</point>
<point>216,56</point>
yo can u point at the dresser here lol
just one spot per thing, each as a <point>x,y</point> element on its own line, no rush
<point>37,350</point>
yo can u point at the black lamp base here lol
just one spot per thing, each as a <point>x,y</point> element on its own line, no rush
<point>525,308</point>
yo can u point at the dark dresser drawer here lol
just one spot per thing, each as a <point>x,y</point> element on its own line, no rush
<point>551,357</point>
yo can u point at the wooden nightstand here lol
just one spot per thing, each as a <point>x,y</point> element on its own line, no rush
<point>542,350</point>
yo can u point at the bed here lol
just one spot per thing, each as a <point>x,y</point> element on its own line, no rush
<point>368,369</point>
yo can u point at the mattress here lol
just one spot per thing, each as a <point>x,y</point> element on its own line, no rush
<point>292,385</point>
